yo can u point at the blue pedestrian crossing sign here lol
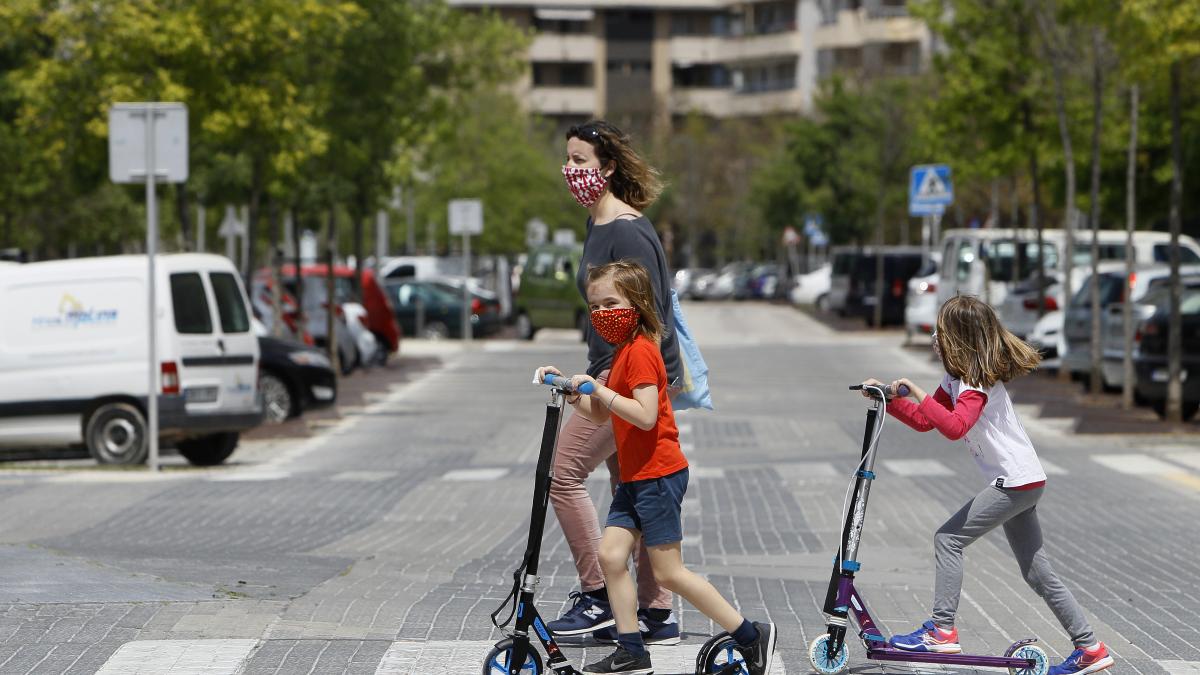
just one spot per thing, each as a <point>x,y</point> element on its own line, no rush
<point>930,189</point>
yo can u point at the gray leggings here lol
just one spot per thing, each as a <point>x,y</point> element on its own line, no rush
<point>1016,510</point>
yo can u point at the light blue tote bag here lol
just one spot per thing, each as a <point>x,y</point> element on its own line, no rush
<point>693,392</point>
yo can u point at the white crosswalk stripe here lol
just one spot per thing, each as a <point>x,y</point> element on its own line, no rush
<point>474,475</point>
<point>917,467</point>
<point>179,657</point>
<point>1135,464</point>
<point>1188,458</point>
<point>1051,468</point>
<point>1181,667</point>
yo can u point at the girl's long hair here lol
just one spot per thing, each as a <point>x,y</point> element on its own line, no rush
<point>976,348</point>
<point>633,181</point>
<point>633,281</point>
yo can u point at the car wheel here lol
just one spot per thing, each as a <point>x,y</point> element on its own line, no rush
<point>823,302</point>
<point>279,404</point>
<point>208,450</point>
<point>525,329</point>
<point>435,331</point>
<point>115,433</point>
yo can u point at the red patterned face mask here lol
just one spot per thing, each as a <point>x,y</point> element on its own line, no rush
<point>615,325</point>
<point>586,185</point>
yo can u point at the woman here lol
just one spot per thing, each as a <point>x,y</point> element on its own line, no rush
<point>609,179</point>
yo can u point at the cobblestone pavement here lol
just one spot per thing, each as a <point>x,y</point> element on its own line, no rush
<point>382,543</point>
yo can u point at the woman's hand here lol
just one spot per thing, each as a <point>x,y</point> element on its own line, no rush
<point>872,382</point>
<point>542,372</point>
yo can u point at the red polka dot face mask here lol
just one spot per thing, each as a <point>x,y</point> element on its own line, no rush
<point>616,324</point>
<point>586,185</point>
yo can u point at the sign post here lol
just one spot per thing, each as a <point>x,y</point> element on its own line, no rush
<point>148,142</point>
<point>466,218</point>
<point>930,191</point>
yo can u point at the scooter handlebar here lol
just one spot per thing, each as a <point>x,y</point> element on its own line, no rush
<point>888,391</point>
<point>564,383</point>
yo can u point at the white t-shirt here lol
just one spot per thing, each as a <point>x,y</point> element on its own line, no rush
<point>998,441</point>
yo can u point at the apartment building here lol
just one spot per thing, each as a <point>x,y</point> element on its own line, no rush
<point>661,59</point>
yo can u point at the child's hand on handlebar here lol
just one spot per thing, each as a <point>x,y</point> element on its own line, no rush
<point>544,371</point>
<point>577,381</point>
<point>913,390</point>
<point>871,382</point>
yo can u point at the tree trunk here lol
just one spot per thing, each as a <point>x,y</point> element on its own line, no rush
<point>276,278</point>
<point>359,227</point>
<point>879,263</point>
<point>1127,383</point>
<point>252,223</point>
<point>1035,213</point>
<point>330,305</point>
<point>1097,352</point>
<point>185,217</point>
<point>1175,328</point>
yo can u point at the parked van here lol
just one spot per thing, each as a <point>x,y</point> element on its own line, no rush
<point>73,356</point>
<point>1004,257</point>
<point>548,296</point>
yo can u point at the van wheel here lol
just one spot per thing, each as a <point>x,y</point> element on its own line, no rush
<point>115,433</point>
<point>525,329</point>
<point>208,450</point>
<point>278,402</point>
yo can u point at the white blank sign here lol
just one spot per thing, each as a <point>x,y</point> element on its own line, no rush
<point>466,216</point>
<point>127,142</point>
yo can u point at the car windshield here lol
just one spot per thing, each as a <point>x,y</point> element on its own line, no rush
<point>1111,286</point>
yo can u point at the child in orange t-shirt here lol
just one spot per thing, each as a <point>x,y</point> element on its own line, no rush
<point>654,472</point>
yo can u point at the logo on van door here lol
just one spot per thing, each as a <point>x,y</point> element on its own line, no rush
<point>72,314</point>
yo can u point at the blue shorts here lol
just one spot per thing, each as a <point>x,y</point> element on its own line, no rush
<point>653,507</point>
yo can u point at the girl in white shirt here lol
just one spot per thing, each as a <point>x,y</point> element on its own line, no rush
<point>972,405</point>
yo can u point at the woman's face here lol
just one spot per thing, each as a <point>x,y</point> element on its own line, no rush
<point>581,154</point>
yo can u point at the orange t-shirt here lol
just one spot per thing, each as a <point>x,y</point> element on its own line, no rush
<point>644,454</point>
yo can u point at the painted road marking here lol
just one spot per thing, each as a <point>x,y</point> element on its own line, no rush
<point>917,467</point>
<point>1135,465</point>
<point>179,657</point>
<point>1051,468</point>
<point>1188,458</point>
<point>456,657</point>
<point>474,475</point>
<point>1181,667</point>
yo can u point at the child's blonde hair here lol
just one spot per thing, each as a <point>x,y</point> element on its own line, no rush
<point>976,348</point>
<point>633,281</point>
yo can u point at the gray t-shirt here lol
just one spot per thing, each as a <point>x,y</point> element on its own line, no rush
<point>632,238</point>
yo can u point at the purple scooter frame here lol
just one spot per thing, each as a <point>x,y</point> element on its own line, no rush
<point>828,653</point>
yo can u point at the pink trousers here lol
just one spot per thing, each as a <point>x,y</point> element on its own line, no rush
<point>582,446</point>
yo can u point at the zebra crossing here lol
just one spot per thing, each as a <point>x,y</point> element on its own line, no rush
<point>450,657</point>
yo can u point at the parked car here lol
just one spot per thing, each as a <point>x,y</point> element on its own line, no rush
<point>732,282</point>
<point>293,377</point>
<point>311,324</point>
<point>843,260</point>
<point>434,311</point>
<point>1150,361</point>
<point>702,284</point>
<point>485,303</point>
<point>767,282</point>
<point>900,263</point>
<point>921,304</point>
<point>685,280</point>
<point>1047,337</point>
<point>1144,283</point>
<point>73,356</point>
<point>549,296</point>
<point>1077,322</point>
<point>380,316</point>
<point>812,288</point>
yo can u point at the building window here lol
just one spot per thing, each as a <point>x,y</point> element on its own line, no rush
<point>628,67</point>
<point>774,17</point>
<point>778,76</point>
<point>902,58</point>
<point>700,76</point>
<point>558,27</point>
<point>562,74</point>
<point>699,23</point>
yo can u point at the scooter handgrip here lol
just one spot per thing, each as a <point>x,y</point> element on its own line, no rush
<point>900,391</point>
<point>565,383</point>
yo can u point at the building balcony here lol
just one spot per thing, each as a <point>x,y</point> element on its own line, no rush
<point>686,50</point>
<point>715,102</point>
<point>856,28</point>
<point>563,100</point>
<point>763,47</point>
<point>564,48</point>
<point>767,102</point>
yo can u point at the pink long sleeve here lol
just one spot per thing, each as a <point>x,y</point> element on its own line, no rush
<point>939,412</point>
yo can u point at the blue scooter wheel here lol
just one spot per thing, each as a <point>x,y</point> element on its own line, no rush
<point>823,662</point>
<point>1041,664</point>
<point>497,660</point>
<point>722,654</point>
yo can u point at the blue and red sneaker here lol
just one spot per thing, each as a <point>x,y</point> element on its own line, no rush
<point>1090,660</point>
<point>928,638</point>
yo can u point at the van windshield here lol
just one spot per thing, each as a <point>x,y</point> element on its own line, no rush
<point>1012,260</point>
<point>230,306</point>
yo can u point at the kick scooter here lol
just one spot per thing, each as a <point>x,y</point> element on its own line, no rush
<point>516,655</point>
<point>828,653</point>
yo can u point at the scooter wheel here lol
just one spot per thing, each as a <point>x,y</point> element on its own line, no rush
<point>1041,665</point>
<point>496,662</point>
<point>721,655</point>
<point>818,654</point>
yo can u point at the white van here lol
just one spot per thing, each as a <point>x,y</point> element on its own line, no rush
<point>1005,257</point>
<point>73,348</point>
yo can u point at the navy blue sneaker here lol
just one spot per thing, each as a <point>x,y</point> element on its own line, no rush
<point>586,615</point>
<point>653,632</point>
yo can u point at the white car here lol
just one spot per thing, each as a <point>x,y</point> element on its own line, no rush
<point>1047,337</point>
<point>369,351</point>
<point>813,288</point>
<point>921,304</point>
